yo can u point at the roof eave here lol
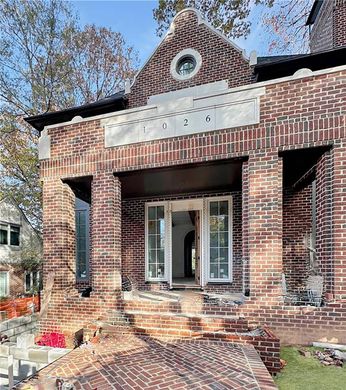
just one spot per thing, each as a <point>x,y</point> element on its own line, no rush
<point>103,106</point>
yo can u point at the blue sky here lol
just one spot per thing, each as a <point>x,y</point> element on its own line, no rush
<point>134,19</point>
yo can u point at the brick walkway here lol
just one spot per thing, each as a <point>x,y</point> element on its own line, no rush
<point>130,362</point>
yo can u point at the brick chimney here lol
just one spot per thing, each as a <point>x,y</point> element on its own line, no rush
<point>327,22</point>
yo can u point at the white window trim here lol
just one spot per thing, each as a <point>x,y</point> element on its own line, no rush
<point>7,283</point>
<point>185,53</point>
<point>167,243</point>
<point>230,238</point>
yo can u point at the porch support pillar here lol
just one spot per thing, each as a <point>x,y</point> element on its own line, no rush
<point>339,220</point>
<point>58,234</point>
<point>106,233</point>
<point>265,224</point>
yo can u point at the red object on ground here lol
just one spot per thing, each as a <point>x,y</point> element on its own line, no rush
<point>56,340</point>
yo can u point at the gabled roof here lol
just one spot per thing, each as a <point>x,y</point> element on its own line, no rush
<point>117,101</point>
<point>9,200</point>
<point>200,21</point>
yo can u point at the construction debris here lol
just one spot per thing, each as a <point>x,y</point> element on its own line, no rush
<point>329,357</point>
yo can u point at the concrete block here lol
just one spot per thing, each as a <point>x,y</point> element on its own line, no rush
<point>39,354</point>
<point>5,348</point>
<point>14,322</point>
<point>22,329</point>
<point>19,353</point>
<point>25,340</point>
<point>10,332</point>
<point>56,353</point>
<point>26,320</point>
<point>3,326</point>
<point>4,362</point>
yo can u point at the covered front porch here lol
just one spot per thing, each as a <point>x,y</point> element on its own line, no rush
<point>253,225</point>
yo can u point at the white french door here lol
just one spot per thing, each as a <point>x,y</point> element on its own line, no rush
<point>215,238</point>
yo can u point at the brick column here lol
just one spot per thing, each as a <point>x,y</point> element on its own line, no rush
<point>265,224</point>
<point>324,213</point>
<point>339,220</point>
<point>106,233</point>
<point>245,226</point>
<point>58,233</point>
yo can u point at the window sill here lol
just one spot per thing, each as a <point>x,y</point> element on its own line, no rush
<point>155,281</point>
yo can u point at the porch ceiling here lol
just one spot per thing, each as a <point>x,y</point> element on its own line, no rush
<point>299,163</point>
<point>184,179</point>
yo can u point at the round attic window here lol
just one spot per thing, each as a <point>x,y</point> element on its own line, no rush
<point>186,64</point>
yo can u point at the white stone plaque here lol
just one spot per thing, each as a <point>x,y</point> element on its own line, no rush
<point>187,115</point>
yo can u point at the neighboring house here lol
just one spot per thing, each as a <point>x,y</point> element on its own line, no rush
<point>212,170</point>
<point>17,240</point>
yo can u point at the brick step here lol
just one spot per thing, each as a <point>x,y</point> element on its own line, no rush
<point>266,344</point>
<point>264,341</point>
<point>186,306</point>
<point>180,322</point>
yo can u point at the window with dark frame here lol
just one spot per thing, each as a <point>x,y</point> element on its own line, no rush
<point>186,65</point>
<point>32,282</point>
<point>82,239</point>
<point>15,235</point>
<point>3,234</point>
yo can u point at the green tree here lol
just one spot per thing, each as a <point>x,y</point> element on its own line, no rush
<point>231,17</point>
<point>47,63</point>
<point>283,22</point>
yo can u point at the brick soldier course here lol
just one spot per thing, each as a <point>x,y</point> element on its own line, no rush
<point>296,144</point>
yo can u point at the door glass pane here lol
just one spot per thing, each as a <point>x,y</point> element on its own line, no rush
<point>219,239</point>
<point>156,242</point>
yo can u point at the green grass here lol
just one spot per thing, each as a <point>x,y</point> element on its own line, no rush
<point>303,373</point>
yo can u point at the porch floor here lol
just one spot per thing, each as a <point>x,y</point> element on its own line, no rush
<point>125,361</point>
<point>184,295</point>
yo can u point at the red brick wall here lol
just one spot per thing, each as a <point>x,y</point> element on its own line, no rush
<point>297,225</point>
<point>16,279</point>
<point>133,243</point>
<point>321,37</point>
<point>329,29</point>
<point>324,219</point>
<point>294,114</point>
<point>220,61</point>
<point>339,23</point>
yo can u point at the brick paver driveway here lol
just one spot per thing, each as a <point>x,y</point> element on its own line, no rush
<point>126,361</point>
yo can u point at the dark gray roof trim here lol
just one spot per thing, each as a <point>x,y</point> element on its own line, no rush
<point>314,12</point>
<point>109,104</point>
<point>269,70</point>
<point>267,59</point>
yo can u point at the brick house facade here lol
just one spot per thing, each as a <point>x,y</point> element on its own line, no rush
<point>19,244</point>
<point>327,21</point>
<point>259,145</point>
